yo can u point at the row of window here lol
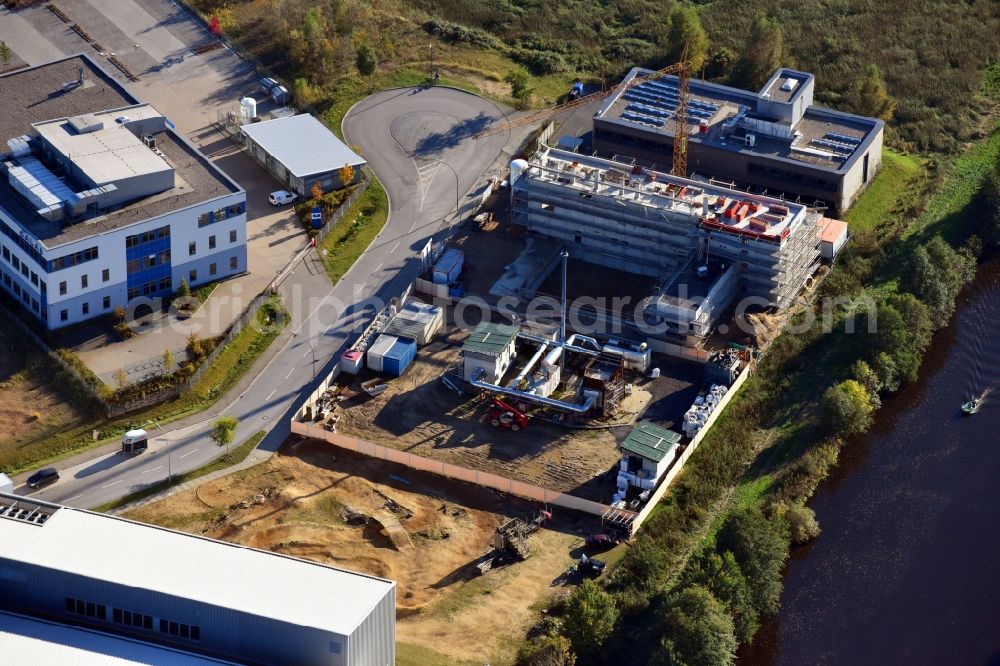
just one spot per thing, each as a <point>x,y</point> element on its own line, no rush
<point>73,259</point>
<point>149,261</point>
<point>132,619</point>
<point>193,246</point>
<point>211,217</point>
<point>147,237</point>
<point>148,288</point>
<point>23,244</point>
<point>25,296</point>
<point>85,309</point>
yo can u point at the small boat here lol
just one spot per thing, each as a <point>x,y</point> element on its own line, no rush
<point>972,406</point>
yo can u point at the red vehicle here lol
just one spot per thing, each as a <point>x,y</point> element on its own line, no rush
<point>603,540</point>
<point>504,416</point>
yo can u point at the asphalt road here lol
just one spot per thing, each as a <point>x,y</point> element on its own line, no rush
<point>418,143</point>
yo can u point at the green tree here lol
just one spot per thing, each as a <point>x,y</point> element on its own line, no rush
<point>697,631</point>
<point>871,98</point>
<point>764,53</point>
<point>721,63</point>
<point>224,431</point>
<point>547,651</point>
<point>939,273</point>
<point>721,575</point>
<point>760,546</point>
<point>520,83</point>
<point>904,333</point>
<point>4,55</point>
<point>847,408</point>
<point>802,523</point>
<point>184,290</point>
<point>686,32</point>
<point>195,348</point>
<point>366,60</point>
<point>867,377</point>
<point>887,372</point>
<point>168,361</point>
<point>589,618</point>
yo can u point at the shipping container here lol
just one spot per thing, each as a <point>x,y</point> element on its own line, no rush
<point>400,355</point>
<point>352,361</point>
<point>448,267</point>
<point>382,344</point>
<point>417,320</point>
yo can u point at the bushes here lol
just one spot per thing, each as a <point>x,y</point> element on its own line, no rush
<point>802,524</point>
<point>697,631</point>
<point>589,618</point>
<point>455,33</point>
<point>847,408</point>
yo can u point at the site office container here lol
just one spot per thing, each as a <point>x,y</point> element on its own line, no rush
<point>352,361</point>
<point>379,348</point>
<point>448,267</point>
<point>398,358</point>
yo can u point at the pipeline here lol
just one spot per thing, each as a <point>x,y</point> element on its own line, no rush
<point>587,404</point>
<point>531,364</point>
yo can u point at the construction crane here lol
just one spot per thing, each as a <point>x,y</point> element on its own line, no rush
<point>681,69</point>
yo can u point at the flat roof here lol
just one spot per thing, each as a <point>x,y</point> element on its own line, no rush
<point>490,338</point>
<point>109,152</point>
<point>721,208</point>
<point>35,94</point>
<point>204,570</point>
<point>650,441</point>
<point>27,640</point>
<point>303,144</point>
<point>823,137</point>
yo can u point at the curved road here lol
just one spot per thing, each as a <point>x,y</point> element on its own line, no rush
<point>418,142</point>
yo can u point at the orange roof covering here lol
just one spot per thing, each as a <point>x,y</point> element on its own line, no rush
<point>831,230</point>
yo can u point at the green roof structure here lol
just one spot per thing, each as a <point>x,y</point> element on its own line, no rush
<point>490,339</point>
<point>650,441</point>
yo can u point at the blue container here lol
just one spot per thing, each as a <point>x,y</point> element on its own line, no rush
<point>400,355</point>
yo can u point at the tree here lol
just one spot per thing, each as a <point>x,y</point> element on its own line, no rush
<point>904,333</point>
<point>721,63</point>
<point>867,377</point>
<point>195,348</point>
<point>346,175</point>
<point>589,618</point>
<point>847,408</point>
<point>697,631</point>
<point>224,431</point>
<point>121,378</point>
<point>4,55</point>
<point>888,374</point>
<point>520,83</point>
<point>183,291</point>
<point>802,525</point>
<point>366,60</point>
<point>547,651</point>
<point>686,32</point>
<point>316,191</point>
<point>764,53</point>
<point>721,575</point>
<point>760,546</point>
<point>871,98</point>
<point>168,361</point>
<point>939,273</point>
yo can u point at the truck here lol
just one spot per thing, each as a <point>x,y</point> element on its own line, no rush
<point>135,442</point>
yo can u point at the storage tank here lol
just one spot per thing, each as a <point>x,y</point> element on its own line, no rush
<point>448,267</point>
<point>351,361</point>
<point>248,108</point>
<point>397,359</point>
<point>517,167</point>
<point>378,350</point>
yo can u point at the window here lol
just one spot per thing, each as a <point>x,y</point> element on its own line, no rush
<point>212,269</point>
<point>116,614</point>
<point>174,629</point>
<point>81,608</point>
<point>102,612</point>
<point>147,621</point>
<point>195,633</point>
<point>232,238</point>
<point>204,220</point>
<point>211,242</point>
<point>184,631</point>
<point>17,262</point>
<point>106,275</point>
<point>193,275</point>
<point>70,605</point>
<point>34,278</point>
<point>63,315</point>
<point>232,263</point>
<point>45,288</point>
<point>163,625</point>
<point>91,609</point>
<point>24,270</point>
<point>128,618</point>
<point>106,303</point>
<point>62,288</point>
<point>192,248</point>
<point>6,252</point>
<point>86,309</point>
<point>335,647</point>
<point>83,281</point>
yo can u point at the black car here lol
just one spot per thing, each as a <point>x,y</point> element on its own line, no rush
<point>43,477</point>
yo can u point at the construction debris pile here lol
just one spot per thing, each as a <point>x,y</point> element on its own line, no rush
<point>697,415</point>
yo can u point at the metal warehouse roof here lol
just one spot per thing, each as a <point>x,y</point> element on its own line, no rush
<point>213,572</point>
<point>303,144</point>
<point>25,640</point>
<point>650,441</point>
<point>489,338</point>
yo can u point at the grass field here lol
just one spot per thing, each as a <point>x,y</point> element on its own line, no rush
<point>890,188</point>
<point>355,231</point>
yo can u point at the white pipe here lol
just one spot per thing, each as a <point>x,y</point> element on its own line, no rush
<point>549,402</point>
<point>531,364</point>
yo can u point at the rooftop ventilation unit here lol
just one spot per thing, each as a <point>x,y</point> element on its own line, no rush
<point>86,123</point>
<point>150,141</point>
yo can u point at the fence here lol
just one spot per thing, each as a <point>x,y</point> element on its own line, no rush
<point>341,211</point>
<point>661,490</point>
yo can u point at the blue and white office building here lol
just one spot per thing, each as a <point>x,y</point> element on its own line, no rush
<point>102,203</point>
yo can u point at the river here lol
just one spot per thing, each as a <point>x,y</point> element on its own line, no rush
<point>907,569</point>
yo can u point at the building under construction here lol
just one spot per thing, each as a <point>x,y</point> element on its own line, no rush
<point>708,245</point>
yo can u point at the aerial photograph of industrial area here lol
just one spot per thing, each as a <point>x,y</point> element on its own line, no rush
<point>499,332</point>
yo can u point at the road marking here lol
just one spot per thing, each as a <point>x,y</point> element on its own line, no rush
<point>290,371</point>
<point>270,394</point>
<point>113,483</point>
<point>394,247</point>
<point>306,353</point>
<point>151,469</point>
<point>70,499</point>
<point>189,453</point>
<point>377,269</point>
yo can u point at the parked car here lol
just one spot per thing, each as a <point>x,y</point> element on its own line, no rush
<point>603,540</point>
<point>281,197</point>
<point>267,84</point>
<point>43,477</point>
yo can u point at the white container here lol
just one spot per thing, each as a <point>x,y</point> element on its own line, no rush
<point>378,350</point>
<point>248,108</point>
